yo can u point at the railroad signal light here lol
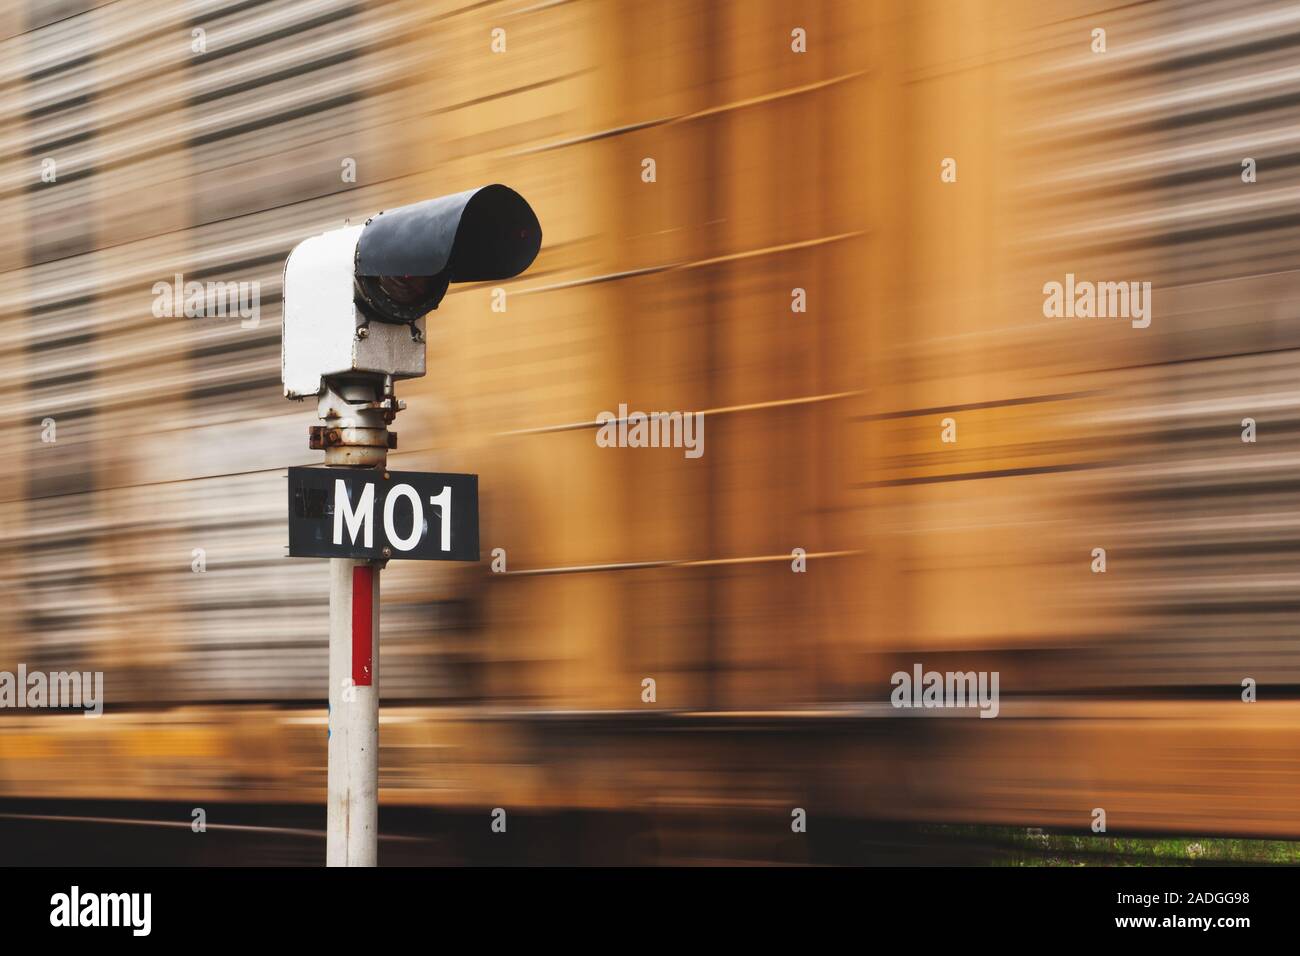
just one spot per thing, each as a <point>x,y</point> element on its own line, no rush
<point>355,297</point>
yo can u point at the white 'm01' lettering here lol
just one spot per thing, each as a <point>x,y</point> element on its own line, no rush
<point>417,518</point>
<point>442,500</point>
<point>362,517</point>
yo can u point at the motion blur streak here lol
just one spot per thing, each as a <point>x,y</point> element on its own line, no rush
<point>775,171</point>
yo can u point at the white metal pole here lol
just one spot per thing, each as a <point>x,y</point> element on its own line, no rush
<point>355,436</point>
<point>352,816</point>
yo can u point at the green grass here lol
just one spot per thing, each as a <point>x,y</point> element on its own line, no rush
<point>1017,846</point>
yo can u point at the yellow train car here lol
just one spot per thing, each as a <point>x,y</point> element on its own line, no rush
<point>828,226</point>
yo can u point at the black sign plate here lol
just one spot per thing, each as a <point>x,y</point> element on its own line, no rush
<point>360,513</point>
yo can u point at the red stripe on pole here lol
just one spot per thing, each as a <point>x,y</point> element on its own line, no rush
<point>363,590</point>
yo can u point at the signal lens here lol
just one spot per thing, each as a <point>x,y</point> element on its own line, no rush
<point>399,299</point>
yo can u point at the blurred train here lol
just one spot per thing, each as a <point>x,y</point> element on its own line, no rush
<point>828,225</point>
